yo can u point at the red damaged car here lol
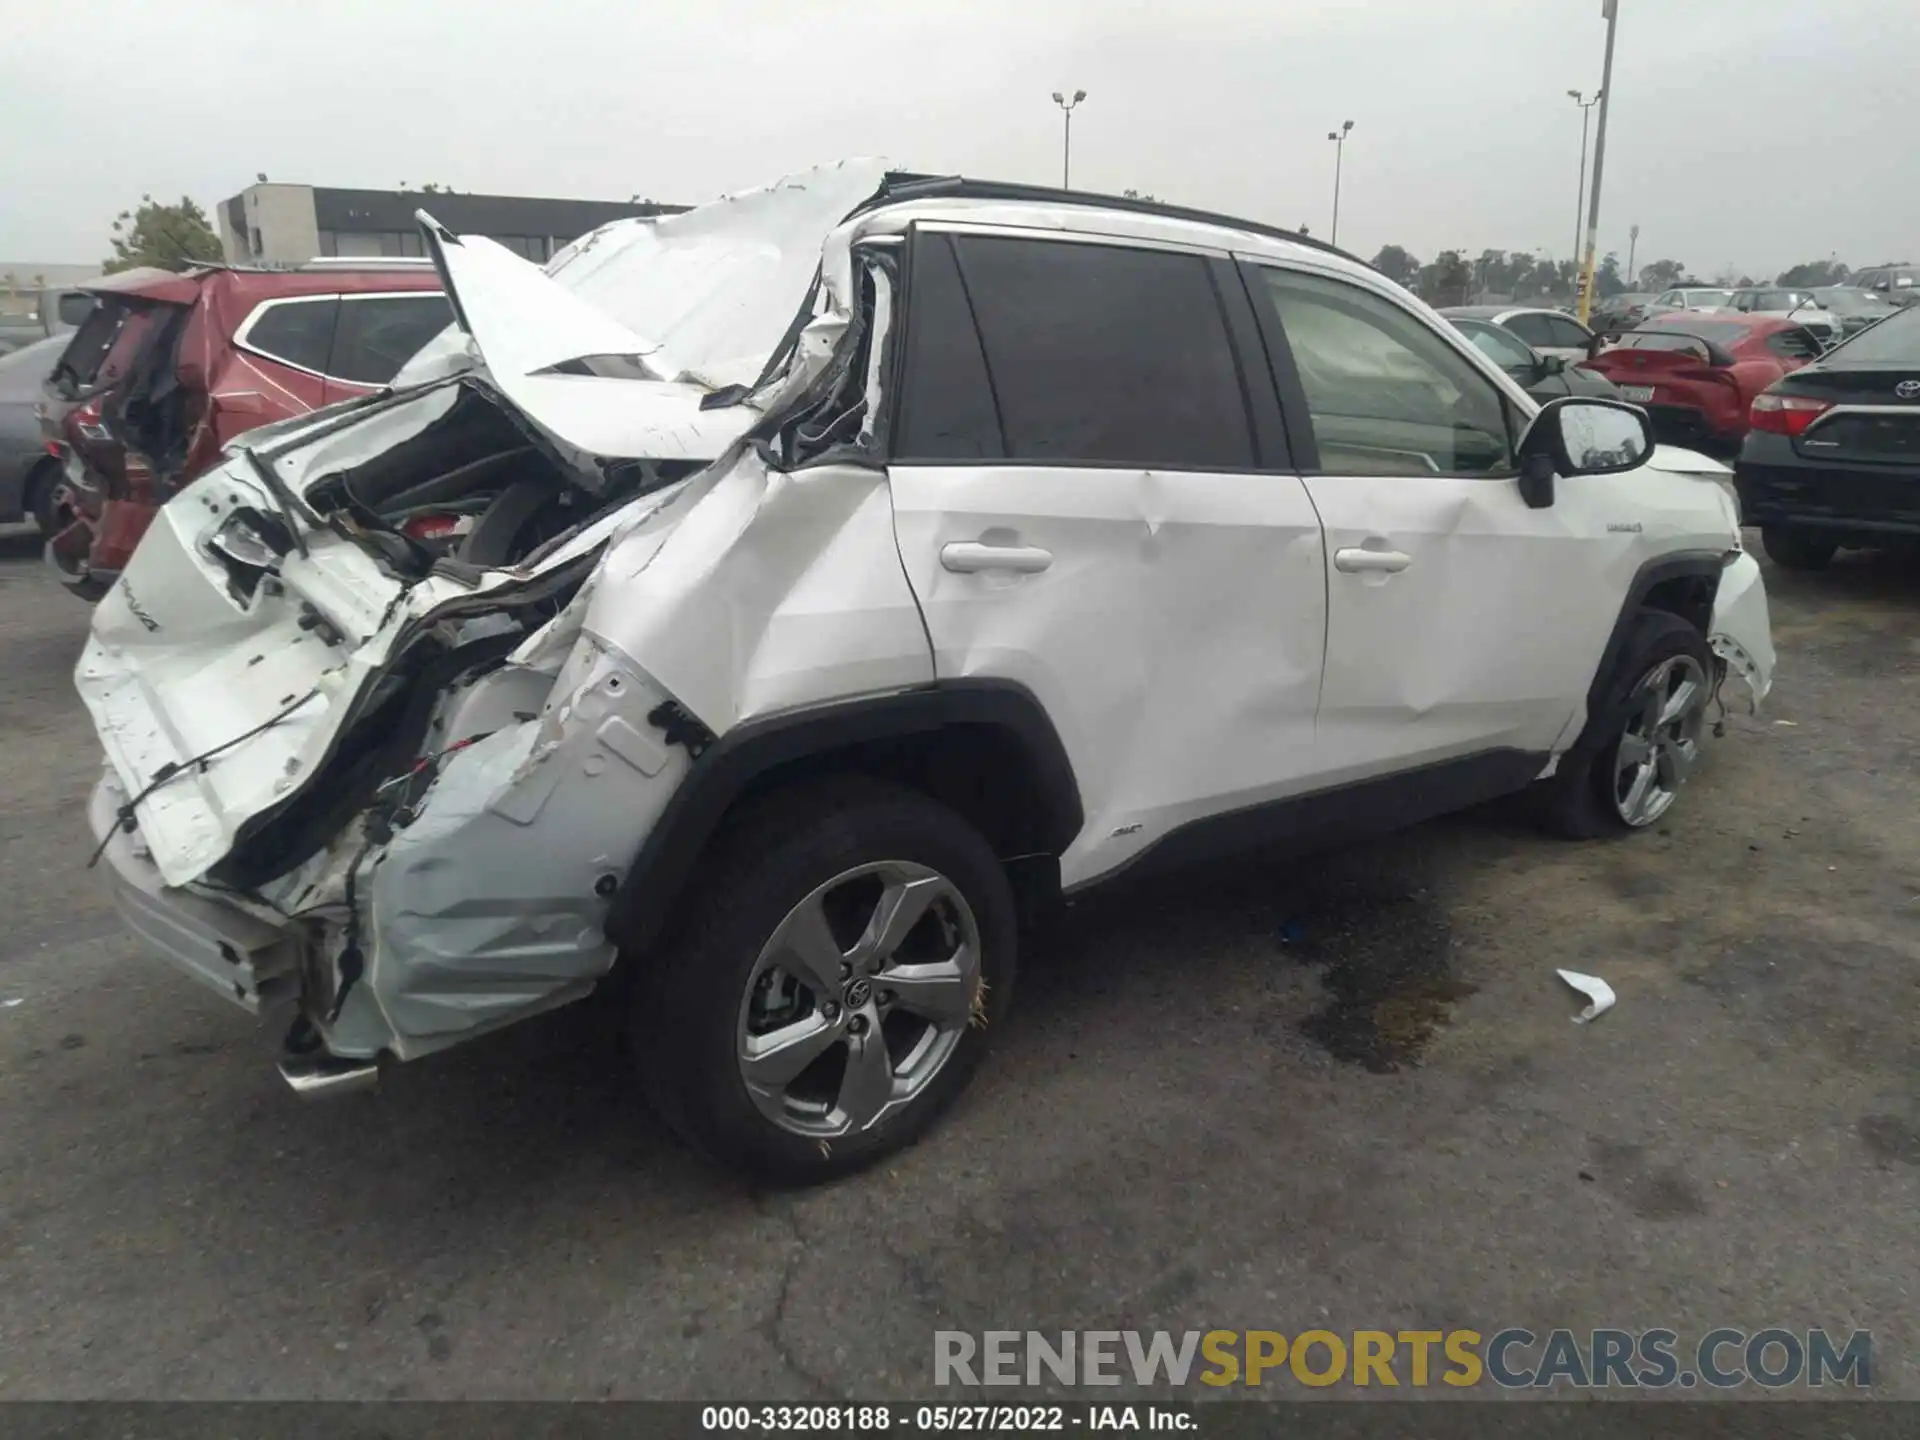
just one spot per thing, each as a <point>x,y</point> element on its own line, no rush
<point>1696,374</point>
<point>166,369</point>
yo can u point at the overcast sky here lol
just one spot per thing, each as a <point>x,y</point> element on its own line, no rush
<point>1750,132</point>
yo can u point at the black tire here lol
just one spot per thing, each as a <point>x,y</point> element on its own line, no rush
<point>1577,802</point>
<point>37,497</point>
<point>1793,547</point>
<point>689,995</point>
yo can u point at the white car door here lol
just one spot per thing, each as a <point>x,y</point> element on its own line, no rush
<point>1463,628</point>
<point>1093,499</point>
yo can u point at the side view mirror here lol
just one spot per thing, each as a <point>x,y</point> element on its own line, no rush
<point>1552,365</point>
<point>1580,436</point>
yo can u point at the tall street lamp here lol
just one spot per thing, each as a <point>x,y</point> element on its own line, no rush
<point>1066,144</point>
<point>1580,198</point>
<point>1339,138</point>
<point>1610,9</point>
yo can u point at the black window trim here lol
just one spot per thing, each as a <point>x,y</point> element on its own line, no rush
<point>1293,394</point>
<point>1265,423</point>
<point>242,337</point>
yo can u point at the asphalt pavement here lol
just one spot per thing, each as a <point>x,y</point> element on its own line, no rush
<point>1340,1094</point>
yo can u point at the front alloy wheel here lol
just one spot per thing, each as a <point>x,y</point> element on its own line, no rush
<point>859,999</point>
<point>1661,742</point>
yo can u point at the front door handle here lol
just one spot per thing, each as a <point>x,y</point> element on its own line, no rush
<point>1380,562</point>
<point>966,557</point>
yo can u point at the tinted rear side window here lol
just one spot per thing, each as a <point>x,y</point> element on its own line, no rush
<point>1099,354</point>
<point>377,335</point>
<point>947,410</point>
<point>1795,344</point>
<point>299,332</point>
<point>1567,334</point>
<point>1531,328</point>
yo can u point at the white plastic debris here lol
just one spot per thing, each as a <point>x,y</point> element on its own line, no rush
<point>1599,994</point>
<point>9,1004</point>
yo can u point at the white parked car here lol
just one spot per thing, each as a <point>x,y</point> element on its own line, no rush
<point>1690,297</point>
<point>1802,306</point>
<point>1053,538</point>
<point>1548,332</point>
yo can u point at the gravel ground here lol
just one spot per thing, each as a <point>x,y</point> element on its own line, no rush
<point>1340,1093</point>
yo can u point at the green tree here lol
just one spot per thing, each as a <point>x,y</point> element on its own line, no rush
<point>1607,281</point>
<point>169,237</point>
<point>1444,280</point>
<point>1493,273</point>
<point>1527,274</point>
<point>1661,274</point>
<point>1814,272</point>
<point>1397,264</point>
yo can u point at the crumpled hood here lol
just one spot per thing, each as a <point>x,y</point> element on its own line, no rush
<point>703,297</point>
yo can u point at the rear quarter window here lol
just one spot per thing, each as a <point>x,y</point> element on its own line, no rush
<point>1534,329</point>
<point>299,332</point>
<point>1795,345</point>
<point>375,335</point>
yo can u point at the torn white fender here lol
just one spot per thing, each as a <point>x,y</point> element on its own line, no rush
<point>1742,633</point>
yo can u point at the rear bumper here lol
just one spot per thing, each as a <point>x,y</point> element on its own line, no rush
<point>1779,486</point>
<point>251,963</point>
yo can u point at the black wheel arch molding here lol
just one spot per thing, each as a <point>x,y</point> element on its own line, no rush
<point>1684,582</point>
<point>1033,810</point>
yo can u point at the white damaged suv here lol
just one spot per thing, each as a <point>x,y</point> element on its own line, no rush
<point>1046,538</point>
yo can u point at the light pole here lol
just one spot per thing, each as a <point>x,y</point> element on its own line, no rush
<point>1339,138</point>
<point>1633,243</point>
<point>1580,197</point>
<point>1066,144</point>
<point>1611,10</point>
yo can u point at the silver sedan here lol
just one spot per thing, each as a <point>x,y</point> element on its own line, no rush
<point>28,473</point>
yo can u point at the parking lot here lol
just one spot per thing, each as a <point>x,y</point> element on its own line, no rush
<point>1342,1093</point>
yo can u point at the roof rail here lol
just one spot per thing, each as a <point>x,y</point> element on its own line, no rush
<point>901,186</point>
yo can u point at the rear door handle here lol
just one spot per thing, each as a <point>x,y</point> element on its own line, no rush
<point>965,557</point>
<point>1361,562</point>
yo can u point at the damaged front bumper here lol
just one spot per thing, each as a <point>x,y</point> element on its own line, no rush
<point>1742,632</point>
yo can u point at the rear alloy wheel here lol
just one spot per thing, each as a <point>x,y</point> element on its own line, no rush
<point>832,1037</point>
<point>1793,547</point>
<point>829,986</point>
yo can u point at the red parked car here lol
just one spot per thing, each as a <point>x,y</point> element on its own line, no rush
<point>1696,374</point>
<point>167,369</point>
